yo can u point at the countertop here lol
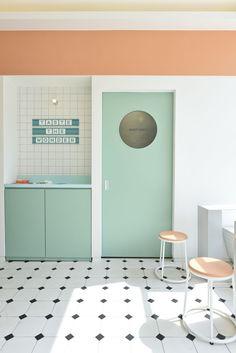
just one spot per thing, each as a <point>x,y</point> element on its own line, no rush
<point>48,186</point>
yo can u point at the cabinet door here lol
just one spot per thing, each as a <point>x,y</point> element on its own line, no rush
<point>68,223</point>
<point>24,223</point>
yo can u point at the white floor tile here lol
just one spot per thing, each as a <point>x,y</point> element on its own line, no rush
<point>146,345</point>
<point>30,326</point>
<point>65,308</point>
<point>205,347</point>
<point>14,283</point>
<point>48,294</point>
<point>108,345</point>
<point>2,306</point>
<point>171,328</point>
<point>7,325</point>
<point>182,345</point>
<point>19,344</point>
<point>115,327</point>
<point>2,342</point>
<point>232,347</point>
<point>6,294</point>
<point>82,345</point>
<point>34,283</point>
<point>51,345</point>
<point>143,327</point>
<point>26,294</point>
<point>54,326</point>
<point>40,308</point>
<point>16,308</point>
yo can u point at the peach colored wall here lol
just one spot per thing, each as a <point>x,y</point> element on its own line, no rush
<point>118,52</point>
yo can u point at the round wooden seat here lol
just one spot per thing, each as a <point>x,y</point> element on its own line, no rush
<point>173,236</point>
<point>210,267</point>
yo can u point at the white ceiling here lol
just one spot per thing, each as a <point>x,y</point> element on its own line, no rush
<point>117,5</point>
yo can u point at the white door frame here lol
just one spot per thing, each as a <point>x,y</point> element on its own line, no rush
<point>101,84</point>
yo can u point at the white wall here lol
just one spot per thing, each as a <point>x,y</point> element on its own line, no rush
<point>205,144</point>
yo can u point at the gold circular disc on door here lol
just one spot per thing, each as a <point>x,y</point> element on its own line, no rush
<point>138,129</point>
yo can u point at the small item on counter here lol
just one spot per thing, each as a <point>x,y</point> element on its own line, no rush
<point>44,182</point>
<point>22,181</point>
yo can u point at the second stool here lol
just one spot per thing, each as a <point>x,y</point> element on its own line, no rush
<point>174,238</point>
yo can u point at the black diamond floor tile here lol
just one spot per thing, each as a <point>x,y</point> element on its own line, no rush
<point>127,300</point>
<point>33,300</point>
<point>49,316</point>
<point>190,336</point>
<point>155,316</point>
<point>128,316</point>
<point>9,301</point>
<point>103,301</point>
<point>102,316</point>
<point>198,300</point>
<point>22,316</point>
<point>169,287</point>
<point>56,301</point>
<point>220,336</point>
<point>129,337</point>
<point>99,337</point>
<point>69,336</point>
<point>151,300</point>
<point>9,337</point>
<point>174,300</point>
<point>160,337</point>
<point>39,336</point>
<point>80,300</point>
<point>222,300</point>
<point>76,316</point>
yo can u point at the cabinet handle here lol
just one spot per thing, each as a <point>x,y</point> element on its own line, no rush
<point>107,185</point>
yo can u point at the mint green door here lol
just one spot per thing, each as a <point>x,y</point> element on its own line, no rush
<point>24,223</point>
<point>137,182</point>
<point>68,223</point>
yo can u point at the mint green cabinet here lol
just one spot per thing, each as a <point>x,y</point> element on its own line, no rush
<point>24,223</point>
<point>48,224</point>
<point>68,223</point>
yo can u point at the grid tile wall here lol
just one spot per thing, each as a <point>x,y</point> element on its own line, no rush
<point>61,159</point>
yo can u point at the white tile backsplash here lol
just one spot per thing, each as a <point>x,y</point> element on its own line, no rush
<point>36,103</point>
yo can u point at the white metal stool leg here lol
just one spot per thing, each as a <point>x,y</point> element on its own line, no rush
<point>234,296</point>
<point>163,258</point>
<point>159,271</point>
<point>211,312</point>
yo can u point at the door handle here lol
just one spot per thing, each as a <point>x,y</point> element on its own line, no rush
<point>107,185</point>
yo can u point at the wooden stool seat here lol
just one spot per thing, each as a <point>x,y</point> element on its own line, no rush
<point>210,267</point>
<point>173,236</point>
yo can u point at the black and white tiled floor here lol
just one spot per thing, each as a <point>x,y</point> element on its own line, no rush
<point>116,305</point>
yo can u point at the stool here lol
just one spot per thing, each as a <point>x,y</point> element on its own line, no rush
<point>174,238</point>
<point>213,270</point>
